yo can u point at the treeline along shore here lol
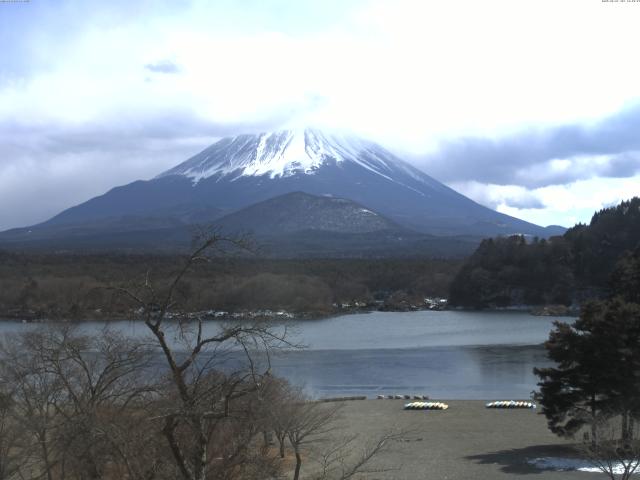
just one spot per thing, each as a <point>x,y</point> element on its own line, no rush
<point>65,286</point>
<point>584,263</point>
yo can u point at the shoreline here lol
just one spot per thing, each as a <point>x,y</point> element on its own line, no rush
<point>41,317</point>
<point>466,441</point>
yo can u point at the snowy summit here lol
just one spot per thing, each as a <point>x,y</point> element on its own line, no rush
<point>238,172</point>
<point>285,153</point>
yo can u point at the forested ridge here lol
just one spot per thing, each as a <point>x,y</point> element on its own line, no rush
<point>77,286</point>
<point>563,270</point>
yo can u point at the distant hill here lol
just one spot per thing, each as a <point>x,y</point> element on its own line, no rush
<point>561,270</point>
<point>298,224</point>
<point>298,211</point>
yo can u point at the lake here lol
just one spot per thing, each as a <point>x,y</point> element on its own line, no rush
<point>447,354</point>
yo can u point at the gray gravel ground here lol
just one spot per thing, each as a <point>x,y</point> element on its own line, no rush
<point>467,441</point>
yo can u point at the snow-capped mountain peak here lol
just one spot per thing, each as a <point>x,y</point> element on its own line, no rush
<point>282,154</point>
<point>237,172</point>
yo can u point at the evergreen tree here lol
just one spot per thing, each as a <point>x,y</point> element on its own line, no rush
<point>598,369</point>
<point>625,280</point>
<point>573,393</point>
<point>561,270</point>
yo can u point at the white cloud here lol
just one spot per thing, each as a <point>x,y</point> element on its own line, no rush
<point>564,170</point>
<point>563,205</point>
<point>45,179</point>
<point>408,73</point>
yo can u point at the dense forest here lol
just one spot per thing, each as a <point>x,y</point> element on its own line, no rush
<point>67,286</point>
<point>563,270</point>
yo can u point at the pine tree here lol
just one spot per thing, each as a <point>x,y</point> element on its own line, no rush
<point>598,368</point>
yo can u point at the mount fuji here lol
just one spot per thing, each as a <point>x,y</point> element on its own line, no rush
<point>238,172</point>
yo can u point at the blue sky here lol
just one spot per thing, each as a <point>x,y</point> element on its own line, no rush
<point>532,108</point>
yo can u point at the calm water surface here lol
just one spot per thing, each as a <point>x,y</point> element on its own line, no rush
<point>450,354</point>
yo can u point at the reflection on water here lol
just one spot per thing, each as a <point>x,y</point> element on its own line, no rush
<point>424,329</point>
<point>453,355</point>
<point>456,372</point>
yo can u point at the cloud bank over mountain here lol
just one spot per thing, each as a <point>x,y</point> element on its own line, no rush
<point>540,157</point>
<point>542,127</point>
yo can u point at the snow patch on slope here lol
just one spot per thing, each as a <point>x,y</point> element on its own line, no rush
<point>281,154</point>
<point>287,153</point>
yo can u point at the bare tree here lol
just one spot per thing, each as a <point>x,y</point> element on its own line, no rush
<point>77,397</point>
<point>312,429</point>
<point>309,423</point>
<point>206,400</point>
<point>35,394</point>
<point>101,377</point>
<point>616,453</point>
<point>279,401</point>
<point>342,460</point>
<point>13,454</point>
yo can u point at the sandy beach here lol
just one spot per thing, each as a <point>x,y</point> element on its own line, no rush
<point>467,441</point>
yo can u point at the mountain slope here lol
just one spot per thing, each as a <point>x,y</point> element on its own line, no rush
<point>353,190</point>
<point>298,211</point>
<point>293,225</point>
<point>302,225</point>
<point>239,171</point>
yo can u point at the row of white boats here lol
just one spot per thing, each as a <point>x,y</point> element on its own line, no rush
<point>423,405</point>
<point>510,404</point>
<point>426,406</point>
<point>403,397</point>
<point>444,406</point>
